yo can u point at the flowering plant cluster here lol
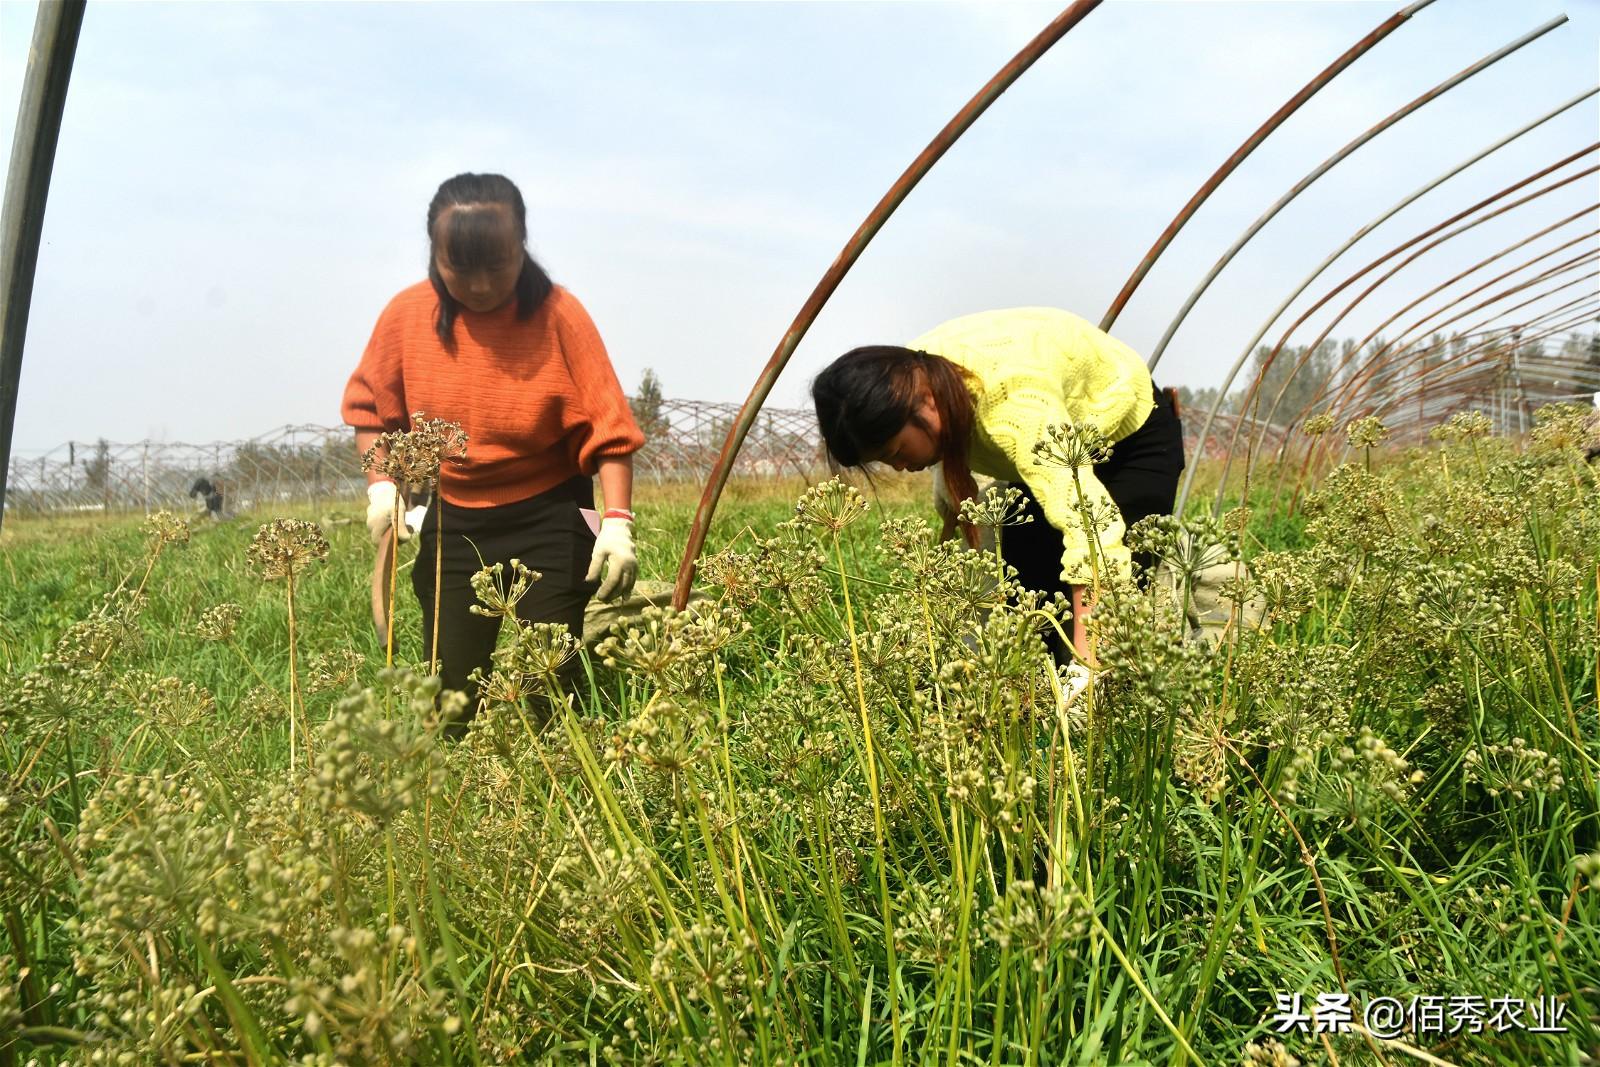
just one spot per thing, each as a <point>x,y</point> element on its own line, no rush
<point>845,806</point>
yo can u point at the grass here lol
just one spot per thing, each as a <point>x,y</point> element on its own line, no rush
<point>845,813</point>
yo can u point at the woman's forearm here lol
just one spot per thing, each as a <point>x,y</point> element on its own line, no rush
<point>616,482</point>
<point>1082,605</point>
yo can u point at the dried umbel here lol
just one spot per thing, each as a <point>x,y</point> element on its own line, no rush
<point>165,528</point>
<point>1203,746</point>
<point>333,669</point>
<point>1286,584</point>
<point>1356,508</point>
<point>1562,427</point>
<point>414,456</point>
<point>218,623</point>
<point>1366,432</point>
<point>738,573</point>
<point>1362,777</point>
<point>171,703</point>
<point>925,924</point>
<point>1072,445</point>
<point>595,892</point>
<point>157,858</point>
<point>830,506</point>
<point>666,733</point>
<point>375,996</point>
<point>662,639</point>
<point>283,548</point>
<point>704,962</point>
<point>536,660</point>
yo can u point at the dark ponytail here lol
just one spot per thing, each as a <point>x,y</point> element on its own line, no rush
<point>867,395</point>
<point>471,238</point>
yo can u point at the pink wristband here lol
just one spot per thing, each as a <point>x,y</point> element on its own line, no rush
<point>618,513</point>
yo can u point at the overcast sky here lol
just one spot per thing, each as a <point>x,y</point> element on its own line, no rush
<point>240,188</point>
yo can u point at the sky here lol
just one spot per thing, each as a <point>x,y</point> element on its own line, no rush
<point>239,188</point>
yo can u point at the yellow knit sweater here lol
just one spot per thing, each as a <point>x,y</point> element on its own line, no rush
<point>1029,368</point>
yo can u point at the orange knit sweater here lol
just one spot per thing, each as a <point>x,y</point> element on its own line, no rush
<point>538,399</point>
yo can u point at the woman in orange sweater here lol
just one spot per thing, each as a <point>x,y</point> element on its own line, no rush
<point>489,342</point>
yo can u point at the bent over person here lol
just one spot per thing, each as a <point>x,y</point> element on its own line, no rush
<point>977,393</point>
<point>489,342</point>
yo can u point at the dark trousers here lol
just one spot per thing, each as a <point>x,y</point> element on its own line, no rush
<point>1142,478</point>
<point>546,532</point>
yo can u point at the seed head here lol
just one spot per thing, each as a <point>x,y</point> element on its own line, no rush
<point>830,506</point>
<point>1068,444</point>
<point>283,547</point>
<point>1317,425</point>
<point>499,599</point>
<point>1462,426</point>
<point>165,528</point>
<point>1366,432</point>
<point>218,623</point>
<point>414,456</point>
<point>999,506</point>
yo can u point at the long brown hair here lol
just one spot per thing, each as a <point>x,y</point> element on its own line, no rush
<point>867,395</point>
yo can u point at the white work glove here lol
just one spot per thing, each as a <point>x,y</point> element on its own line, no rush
<point>1075,681</point>
<point>613,553</point>
<point>381,499</point>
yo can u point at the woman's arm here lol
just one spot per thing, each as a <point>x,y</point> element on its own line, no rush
<point>1082,605</point>
<point>616,481</point>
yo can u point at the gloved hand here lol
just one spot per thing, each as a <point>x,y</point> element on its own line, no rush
<point>613,553</point>
<point>1075,681</point>
<point>381,503</point>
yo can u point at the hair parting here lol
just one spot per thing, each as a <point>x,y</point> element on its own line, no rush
<point>463,225</point>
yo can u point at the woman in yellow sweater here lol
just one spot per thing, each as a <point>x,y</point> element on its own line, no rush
<point>977,393</point>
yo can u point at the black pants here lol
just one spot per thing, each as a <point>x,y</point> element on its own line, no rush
<point>1142,478</point>
<point>546,532</point>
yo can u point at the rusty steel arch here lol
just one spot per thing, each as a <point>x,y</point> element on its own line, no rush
<point>969,113</point>
<point>1375,285</point>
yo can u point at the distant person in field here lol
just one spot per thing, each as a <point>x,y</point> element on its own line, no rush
<point>211,492</point>
<point>977,393</point>
<point>490,342</point>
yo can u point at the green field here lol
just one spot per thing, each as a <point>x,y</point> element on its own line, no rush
<point>846,812</point>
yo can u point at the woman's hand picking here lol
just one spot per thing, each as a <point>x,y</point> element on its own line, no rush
<point>614,555</point>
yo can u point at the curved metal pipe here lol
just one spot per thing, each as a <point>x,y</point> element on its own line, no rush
<point>1229,165</point>
<point>1222,392</point>
<point>33,156</point>
<point>1361,345</point>
<point>1476,369</point>
<point>1382,403</point>
<point>853,248</point>
<point>1327,164</point>
<point>1354,238</point>
<point>1342,397</point>
<point>1490,338</point>
<point>1348,389</point>
<point>1545,275</point>
<point>1317,446</point>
